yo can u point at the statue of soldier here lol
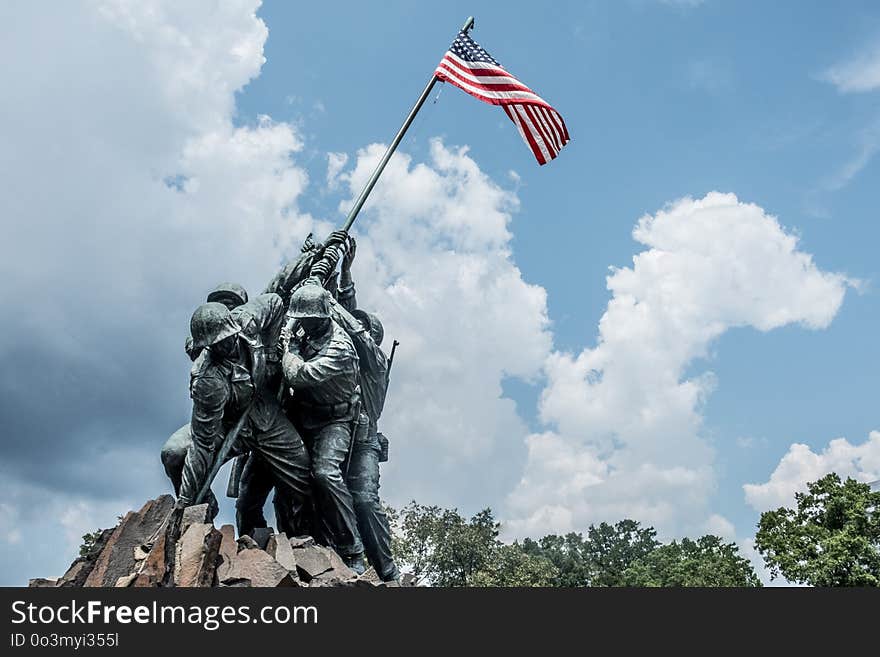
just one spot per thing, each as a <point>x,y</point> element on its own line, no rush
<point>238,372</point>
<point>369,447</point>
<point>321,369</point>
<point>255,480</point>
<point>174,450</point>
<point>294,273</point>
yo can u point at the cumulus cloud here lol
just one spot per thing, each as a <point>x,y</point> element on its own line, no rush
<point>626,411</point>
<point>801,465</point>
<point>128,193</point>
<point>131,192</point>
<point>143,193</point>
<point>434,261</point>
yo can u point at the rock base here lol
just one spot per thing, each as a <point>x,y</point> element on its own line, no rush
<point>163,546</point>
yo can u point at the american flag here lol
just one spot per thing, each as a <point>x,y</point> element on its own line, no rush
<point>472,69</point>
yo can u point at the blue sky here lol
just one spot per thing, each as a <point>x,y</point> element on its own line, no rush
<point>625,332</point>
<point>663,100</point>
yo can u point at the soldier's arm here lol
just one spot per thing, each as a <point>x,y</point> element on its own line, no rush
<point>346,292</point>
<point>261,316</point>
<point>299,373</point>
<point>209,395</point>
<point>342,316</point>
<point>291,275</point>
<point>365,346</point>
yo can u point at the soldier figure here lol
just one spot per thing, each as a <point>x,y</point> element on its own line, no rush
<point>238,372</point>
<point>255,478</point>
<point>175,448</point>
<point>321,369</point>
<point>370,447</point>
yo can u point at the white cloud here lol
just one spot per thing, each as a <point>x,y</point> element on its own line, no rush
<point>124,171</point>
<point>859,74</point>
<point>720,526</point>
<point>335,164</point>
<point>434,261</point>
<point>128,193</point>
<point>801,465</point>
<point>625,411</point>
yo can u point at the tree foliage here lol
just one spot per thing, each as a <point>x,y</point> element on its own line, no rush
<point>598,560</point>
<point>89,541</point>
<point>440,546</point>
<point>832,538</point>
<point>708,561</point>
<point>510,565</point>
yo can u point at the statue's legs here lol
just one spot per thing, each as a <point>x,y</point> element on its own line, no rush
<point>328,446</point>
<point>286,462</point>
<point>363,482</point>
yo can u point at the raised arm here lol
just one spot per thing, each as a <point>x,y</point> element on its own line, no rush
<point>338,360</point>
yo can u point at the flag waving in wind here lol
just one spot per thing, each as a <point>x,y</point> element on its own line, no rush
<point>472,69</point>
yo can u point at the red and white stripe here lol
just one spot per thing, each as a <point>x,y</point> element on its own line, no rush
<point>540,126</point>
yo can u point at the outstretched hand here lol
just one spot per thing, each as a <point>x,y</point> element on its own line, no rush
<point>348,258</point>
<point>336,238</point>
<point>321,269</point>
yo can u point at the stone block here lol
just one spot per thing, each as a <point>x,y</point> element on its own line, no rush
<point>259,568</point>
<point>196,556</point>
<point>228,549</point>
<point>301,541</point>
<point>137,527</point>
<point>311,562</point>
<point>279,549</point>
<point>192,515</point>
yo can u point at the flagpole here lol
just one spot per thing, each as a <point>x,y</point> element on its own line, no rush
<point>361,199</point>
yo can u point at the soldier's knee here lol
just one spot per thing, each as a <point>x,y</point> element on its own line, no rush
<point>364,500</point>
<point>172,459</point>
<point>326,474</point>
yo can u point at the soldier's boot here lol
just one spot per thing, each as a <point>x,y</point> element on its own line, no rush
<point>356,563</point>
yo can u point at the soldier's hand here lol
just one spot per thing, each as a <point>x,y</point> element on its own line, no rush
<point>290,365</point>
<point>336,238</point>
<point>348,258</point>
<point>321,270</point>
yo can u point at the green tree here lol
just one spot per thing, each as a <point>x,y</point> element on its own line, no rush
<point>708,561</point>
<point>510,565</point>
<point>566,553</point>
<point>832,538</point>
<point>598,560</point>
<point>441,547</point>
<point>611,549</point>
<point>89,541</point>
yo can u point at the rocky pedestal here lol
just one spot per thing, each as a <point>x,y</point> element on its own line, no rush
<point>158,546</point>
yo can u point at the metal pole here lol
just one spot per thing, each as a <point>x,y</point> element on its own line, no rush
<point>359,203</point>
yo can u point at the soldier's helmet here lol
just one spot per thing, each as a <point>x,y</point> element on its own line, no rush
<point>210,323</point>
<point>310,301</point>
<point>229,294</point>
<point>372,324</point>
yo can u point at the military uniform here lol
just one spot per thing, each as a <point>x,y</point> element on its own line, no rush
<point>323,373</point>
<point>174,450</point>
<point>363,467</point>
<point>249,379</point>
